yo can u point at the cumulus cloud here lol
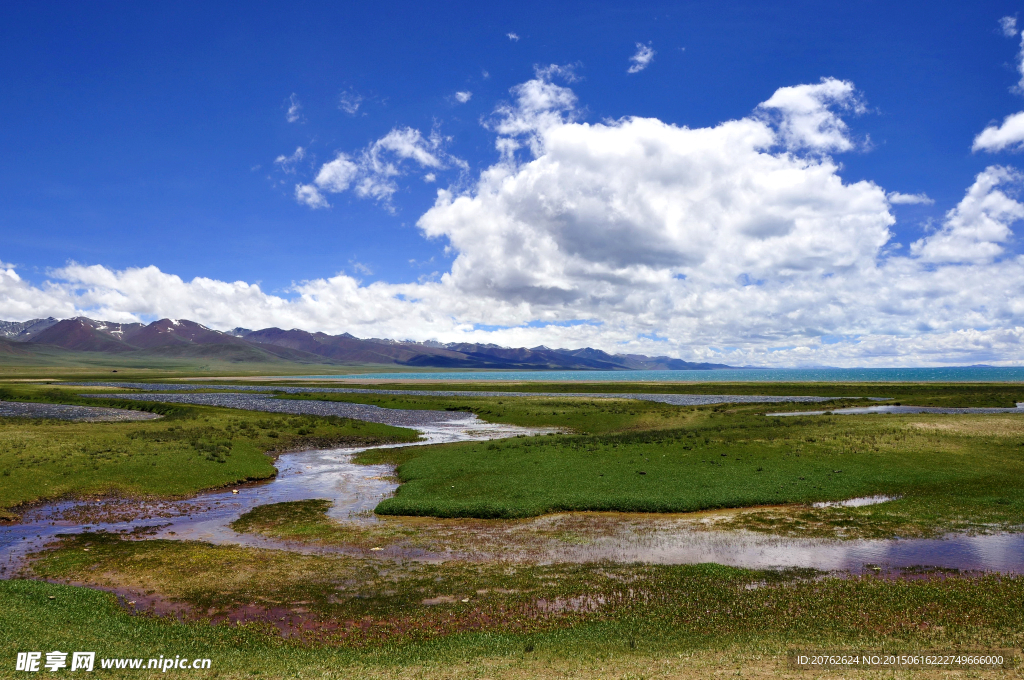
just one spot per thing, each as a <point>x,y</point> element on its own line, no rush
<point>976,229</point>
<point>463,97</point>
<point>294,112</point>
<point>513,37</point>
<point>1008,135</point>
<point>896,198</point>
<point>641,59</point>
<point>651,221</point>
<point>538,105</point>
<point>737,243</point>
<point>806,115</point>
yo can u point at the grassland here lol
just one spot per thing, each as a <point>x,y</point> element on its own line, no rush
<point>920,394</point>
<point>190,449</point>
<point>363,618</point>
<point>950,473</point>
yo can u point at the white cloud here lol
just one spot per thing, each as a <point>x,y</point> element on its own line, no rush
<point>371,172</point>
<point>896,198</point>
<point>1008,25</point>
<point>737,243</point>
<point>288,163</point>
<point>806,118</point>
<point>429,177</point>
<point>513,37</point>
<point>463,97</point>
<point>349,102</point>
<point>999,137</point>
<point>1009,134</point>
<point>538,105</point>
<point>309,195</point>
<point>1019,87</point>
<point>337,175</point>
<point>641,59</point>
<point>294,112</point>
<point>976,228</point>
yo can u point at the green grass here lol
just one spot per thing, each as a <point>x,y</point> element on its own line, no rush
<point>963,477</point>
<point>307,521</point>
<point>190,449</point>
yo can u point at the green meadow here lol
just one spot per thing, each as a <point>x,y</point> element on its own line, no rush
<point>189,449</point>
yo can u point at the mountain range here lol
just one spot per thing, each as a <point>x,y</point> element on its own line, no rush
<point>180,338</point>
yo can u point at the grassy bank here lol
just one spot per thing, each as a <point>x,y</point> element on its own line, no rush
<point>191,448</point>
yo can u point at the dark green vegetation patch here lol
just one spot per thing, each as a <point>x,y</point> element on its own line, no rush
<point>950,472</point>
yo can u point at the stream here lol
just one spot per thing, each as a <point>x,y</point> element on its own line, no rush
<point>566,537</point>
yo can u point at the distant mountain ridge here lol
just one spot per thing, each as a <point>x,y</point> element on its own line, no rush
<point>184,338</point>
<point>23,330</point>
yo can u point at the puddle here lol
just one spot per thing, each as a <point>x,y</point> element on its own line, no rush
<point>867,410</point>
<point>675,543</point>
<point>856,502</point>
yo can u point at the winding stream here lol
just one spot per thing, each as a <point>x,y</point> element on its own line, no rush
<point>568,537</point>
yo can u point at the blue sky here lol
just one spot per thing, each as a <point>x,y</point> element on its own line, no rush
<point>138,136</point>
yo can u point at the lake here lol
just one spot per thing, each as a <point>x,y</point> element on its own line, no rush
<point>839,375</point>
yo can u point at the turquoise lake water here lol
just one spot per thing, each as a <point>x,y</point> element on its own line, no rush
<point>949,374</point>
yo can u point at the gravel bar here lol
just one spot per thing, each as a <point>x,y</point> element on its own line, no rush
<point>673,399</point>
<point>96,414</point>
<point>264,402</point>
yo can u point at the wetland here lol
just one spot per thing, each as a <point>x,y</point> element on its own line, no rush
<point>366,532</point>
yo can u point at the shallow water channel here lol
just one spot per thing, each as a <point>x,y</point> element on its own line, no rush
<point>898,409</point>
<point>566,537</point>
